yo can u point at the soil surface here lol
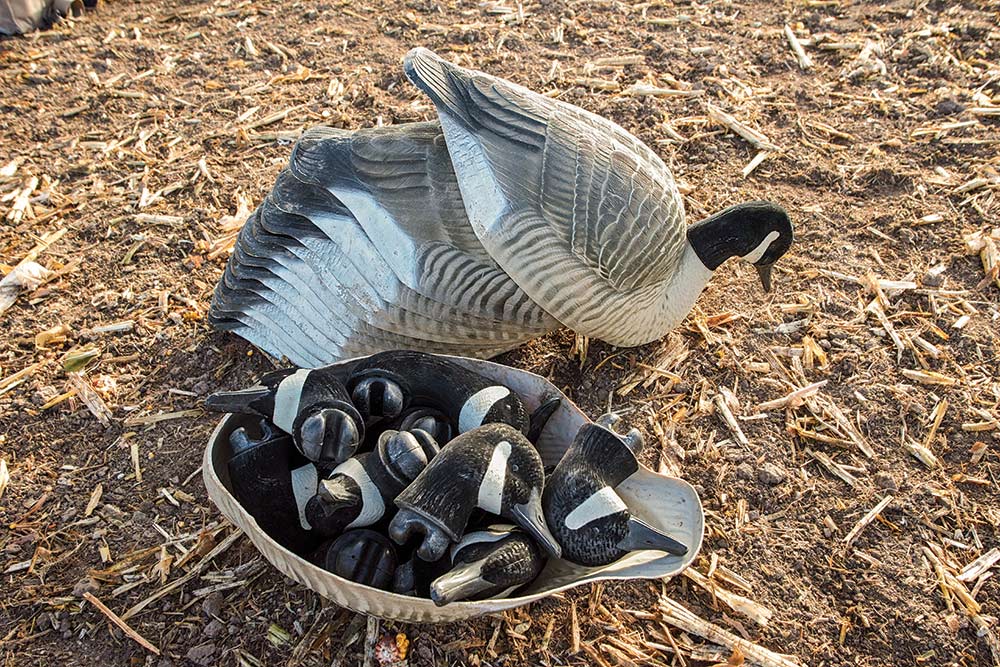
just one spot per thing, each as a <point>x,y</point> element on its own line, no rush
<point>134,140</point>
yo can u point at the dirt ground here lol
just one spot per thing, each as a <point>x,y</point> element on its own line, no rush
<point>130,139</point>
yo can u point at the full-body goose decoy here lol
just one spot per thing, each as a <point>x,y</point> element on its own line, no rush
<point>511,215</point>
<point>582,215</point>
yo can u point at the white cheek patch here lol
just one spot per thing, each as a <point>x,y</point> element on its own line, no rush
<point>286,399</point>
<point>304,481</point>
<point>603,503</point>
<point>759,251</point>
<point>494,533</point>
<point>373,507</point>
<point>491,488</point>
<point>478,405</point>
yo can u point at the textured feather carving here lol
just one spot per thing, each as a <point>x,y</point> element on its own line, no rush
<point>364,242</point>
<point>559,173</point>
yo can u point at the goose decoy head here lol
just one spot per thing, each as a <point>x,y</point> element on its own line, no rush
<point>273,482</point>
<point>488,563</point>
<point>588,517</point>
<point>385,384</point>
<point>363,556</point>
<point>311,405</point>
<point>358,491</point>
<point>429,420</point>
<point>493,468</point>
<point>758,232</point>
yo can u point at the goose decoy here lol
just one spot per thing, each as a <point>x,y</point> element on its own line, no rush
<point>385,384</point>
<point>488,563</point>
<point>589,519</point>
<point>583,216</point>
<point>493,468</point>
<point>359,490</point>
<point>430,421</point>
<point>363,245</point>
<point>363,556</point>
<point>273,482</point>
<point>311,405</point>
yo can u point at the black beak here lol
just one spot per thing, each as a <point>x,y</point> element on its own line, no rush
<point>764,271</point>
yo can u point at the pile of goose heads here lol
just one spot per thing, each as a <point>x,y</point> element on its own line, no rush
<point>410,473</point>
<point>508,216</point>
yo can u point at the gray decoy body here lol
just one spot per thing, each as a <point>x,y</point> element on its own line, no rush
<point>313,406</point>
<point>583,216</point>
<point>363,245</point>
<point>493,468</point>
<point>512,215</point>
<point>588,518</point>
<point>488,563</point>
<point>361,490</point>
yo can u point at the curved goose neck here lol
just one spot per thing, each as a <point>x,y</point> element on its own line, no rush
<point>689,281</point>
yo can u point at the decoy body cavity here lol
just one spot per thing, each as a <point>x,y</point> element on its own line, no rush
<point>591,522</point>
<point>493,468</point>
<point>510,215</point>
<point>311,405</point>
<point>361,490</point>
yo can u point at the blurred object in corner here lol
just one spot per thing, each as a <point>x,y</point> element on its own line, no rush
<point>18,17</point>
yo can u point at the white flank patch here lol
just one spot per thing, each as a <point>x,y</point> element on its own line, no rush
<point>478,405</point>
<point>373,507</point>
<point>286,399</point>
<point>603,503</point>
<point>491,488</point>
<point>304,481</point>
<point>759,251</point>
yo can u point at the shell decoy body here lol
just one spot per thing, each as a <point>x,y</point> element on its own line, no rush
<point>311,405</point>
<point>591,522</point>
<point>488,563</point>
<point>385,384</point>
<point>493,468</point>
<point>274,482</point>
<point>363,556</point>
<point>360,491</point>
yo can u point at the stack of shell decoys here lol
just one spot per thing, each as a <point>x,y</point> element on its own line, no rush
<point>412,474</point>
<point>510,215</point>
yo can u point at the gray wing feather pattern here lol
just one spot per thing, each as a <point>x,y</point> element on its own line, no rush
<point>581,214</point>
<point>314,279</point>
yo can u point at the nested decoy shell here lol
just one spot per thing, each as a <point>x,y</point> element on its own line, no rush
<point>385,384</point>
<point>669,504</point>
<point>273,482</point>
